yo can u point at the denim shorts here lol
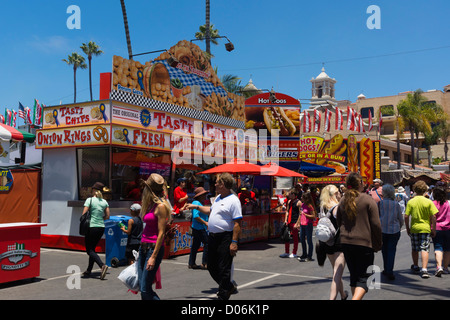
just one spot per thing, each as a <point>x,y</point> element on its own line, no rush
<point>442,240</point>
<point>420,242</point>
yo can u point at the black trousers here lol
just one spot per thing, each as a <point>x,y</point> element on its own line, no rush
<point>220,260</point>
<point>91,239</point>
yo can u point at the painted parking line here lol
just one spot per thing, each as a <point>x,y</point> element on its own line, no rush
<point>245,285</point>
<point>269,274</point>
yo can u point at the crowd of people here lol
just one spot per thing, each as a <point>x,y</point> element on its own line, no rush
<point>365,221</point>
<point>368,220</point>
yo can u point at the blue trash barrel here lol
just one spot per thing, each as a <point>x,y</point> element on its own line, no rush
<point>115,241</point>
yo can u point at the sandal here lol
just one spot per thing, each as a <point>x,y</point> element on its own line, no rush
<point>346,295</point>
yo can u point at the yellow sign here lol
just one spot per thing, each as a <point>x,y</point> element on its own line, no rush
<point>76,114</point>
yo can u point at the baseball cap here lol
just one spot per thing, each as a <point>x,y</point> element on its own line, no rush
<point>135,207</point>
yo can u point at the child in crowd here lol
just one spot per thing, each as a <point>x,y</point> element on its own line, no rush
<point>134,229</point>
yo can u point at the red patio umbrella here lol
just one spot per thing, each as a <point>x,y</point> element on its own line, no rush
<point>235,166</point>
<point>273,169</point>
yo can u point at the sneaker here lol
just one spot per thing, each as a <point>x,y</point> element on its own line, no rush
<point>305,259</point>
<point>445,271</point>
<point>284,255</point>
<point>439,272</point>
<point>424,274</point>
<point>292,255</point>
<point>104,269</point>
<point>415,269</point>
<point>86,274</point>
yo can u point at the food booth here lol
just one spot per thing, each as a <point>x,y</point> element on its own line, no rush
<point>276,117</point>
<point>314,141</point>
<point>170,116</point>
<point>20,226</point>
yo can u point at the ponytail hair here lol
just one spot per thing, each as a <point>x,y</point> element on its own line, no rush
<point>98,194</point>
<point>352,184</point>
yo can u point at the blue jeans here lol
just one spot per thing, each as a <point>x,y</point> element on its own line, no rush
<point>146,277</point>
<point>388,250</point>
<point>306,236</point>
<point>199,237</point>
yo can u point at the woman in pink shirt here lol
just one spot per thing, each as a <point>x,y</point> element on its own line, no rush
<point>441,240</point>
<point>308,214</point>
<point>155,213</point>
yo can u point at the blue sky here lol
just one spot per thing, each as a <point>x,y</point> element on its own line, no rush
<point>278,44</point>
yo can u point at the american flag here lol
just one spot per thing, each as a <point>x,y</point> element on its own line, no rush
<point>22,112</point>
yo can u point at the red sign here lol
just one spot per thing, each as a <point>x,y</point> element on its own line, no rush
<point>282,114</point>
<point>19,251</point>
<point>263,99</point>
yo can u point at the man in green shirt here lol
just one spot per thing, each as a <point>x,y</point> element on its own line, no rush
<point>423,226</point>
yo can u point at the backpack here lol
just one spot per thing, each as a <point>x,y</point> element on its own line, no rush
<point>325,230</point>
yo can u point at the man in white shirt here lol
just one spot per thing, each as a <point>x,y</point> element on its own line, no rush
<point>224,226</point>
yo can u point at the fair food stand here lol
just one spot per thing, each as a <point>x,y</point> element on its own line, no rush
<point>158,116</point>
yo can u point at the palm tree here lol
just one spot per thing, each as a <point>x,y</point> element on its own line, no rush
<point>232,83</point>
<point>434,115</point>
<point>410,111</point>
<point>77,61</point>
<point>91,49</point>
<point>445,134</point>
<point>201,34</point>
<point>127,31</point>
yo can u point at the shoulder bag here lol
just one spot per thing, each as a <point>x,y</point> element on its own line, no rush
<point>85,220</point>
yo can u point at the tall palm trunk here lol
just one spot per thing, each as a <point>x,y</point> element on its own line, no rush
<point>74,84</point>
<point>127,32</point>
<point>208,35</point>
<point>413,162</point>
<point>90,76</point>
<point>398,145</point>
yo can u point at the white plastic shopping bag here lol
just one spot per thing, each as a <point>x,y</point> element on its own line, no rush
<point>129,275</point>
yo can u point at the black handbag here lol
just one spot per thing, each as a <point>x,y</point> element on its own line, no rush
<point>285,233</point>
<point>85,221</point>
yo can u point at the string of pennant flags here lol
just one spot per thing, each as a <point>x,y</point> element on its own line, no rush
<point>30,117</point>
<point>354,121</point>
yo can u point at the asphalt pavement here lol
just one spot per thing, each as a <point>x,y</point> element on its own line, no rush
<point>262,276</point>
